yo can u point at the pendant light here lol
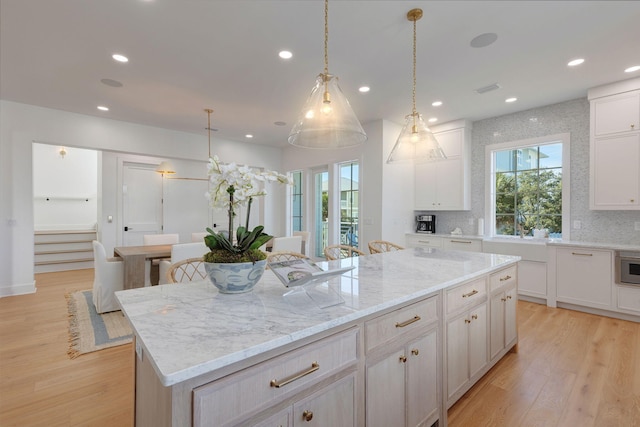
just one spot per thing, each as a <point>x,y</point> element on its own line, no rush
<point>327,119</point>
<point>416,141</point>
<point>209,111</point>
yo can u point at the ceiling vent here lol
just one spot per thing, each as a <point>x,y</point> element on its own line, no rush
<point>488,88</point>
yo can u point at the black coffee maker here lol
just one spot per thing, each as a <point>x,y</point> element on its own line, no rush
<point>426,224</point>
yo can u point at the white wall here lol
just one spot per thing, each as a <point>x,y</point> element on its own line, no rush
<point>21,125</point>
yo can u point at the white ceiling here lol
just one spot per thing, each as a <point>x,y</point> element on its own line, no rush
<point>187,55</point>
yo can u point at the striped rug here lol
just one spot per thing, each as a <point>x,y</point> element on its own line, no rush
<point>90,331</point>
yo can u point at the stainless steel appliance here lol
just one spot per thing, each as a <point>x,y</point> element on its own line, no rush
<point>426,224</point>
<point>628,268</point>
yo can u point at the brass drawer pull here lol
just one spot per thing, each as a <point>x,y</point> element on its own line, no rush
<point>579,254</point>
<point>415,351</point>
<point>467,321</point>
<point>408,322</point>
<point>472,293</point>
<point>474,317</point>
<point>507,277</point>
<point>403,359</point>
<point>307,415</point>
<point>508,296</point>
<point>461,241</point>
<point>277,384</point>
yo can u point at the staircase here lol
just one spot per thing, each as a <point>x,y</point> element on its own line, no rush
<point>61,250</point>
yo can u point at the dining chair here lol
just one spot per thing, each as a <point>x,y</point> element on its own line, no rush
<point>306,235</point>
<point>156,239</point>
<point>379,246</point>
<point>187,270</point>
<point>108,278</point>
<point>198,237</point>
<point>180,252</point>
<point>333,252</point>
<point>287,244</point>
<point>283,256</point>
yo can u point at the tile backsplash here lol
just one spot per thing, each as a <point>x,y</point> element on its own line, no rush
<point>572,117</point>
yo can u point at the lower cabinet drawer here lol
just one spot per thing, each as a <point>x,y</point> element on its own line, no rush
<point>466,295</point>
<point>629,298</point>
<point>503,278</point>
<point>389,326</point>
<point>228,400</point>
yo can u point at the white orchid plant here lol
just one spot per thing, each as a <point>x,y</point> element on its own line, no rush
<point>231,186</point>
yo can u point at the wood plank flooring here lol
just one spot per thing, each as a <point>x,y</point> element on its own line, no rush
<point>571,369</point>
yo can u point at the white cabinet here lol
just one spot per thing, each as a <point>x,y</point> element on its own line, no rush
<point>462,244</point>
<point>466,337</point>
<point>423,240</point>
<point>628,299</point>
<point>504,299</point>
<point>402,367</point>
<point>615,149</point>
<point>532,279</point>
<point>444,184</point>
<point>584,277</point>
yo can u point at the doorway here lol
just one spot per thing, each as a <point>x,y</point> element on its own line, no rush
<point>141,202</point>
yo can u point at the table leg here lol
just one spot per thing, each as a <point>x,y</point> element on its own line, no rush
<point>134,271</point>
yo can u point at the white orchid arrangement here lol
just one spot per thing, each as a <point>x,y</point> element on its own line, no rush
<point>231,186</point>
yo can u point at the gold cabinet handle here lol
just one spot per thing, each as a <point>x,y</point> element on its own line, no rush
<point>632,126</point>
<point>579,254</point>
<point>403,359</point>
<point>467,321</point>
<point>277,384</point>
<point>307,415</point>
<point>507,277</point>
<point>474,317</point>
<point>415,351</point>
<point>473,292</point>
<point>503,299</point>
<point>508,296</point>
<point>408,322</point>
<point>461,241</point>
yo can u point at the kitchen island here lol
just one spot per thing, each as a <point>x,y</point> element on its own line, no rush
<point>370,347</point>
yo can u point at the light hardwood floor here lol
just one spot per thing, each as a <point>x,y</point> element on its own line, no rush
<point>571,369</point>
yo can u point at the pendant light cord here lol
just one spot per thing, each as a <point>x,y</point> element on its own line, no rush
<point>326,38</point>
<point>209,111</point>
<point>414,69</point>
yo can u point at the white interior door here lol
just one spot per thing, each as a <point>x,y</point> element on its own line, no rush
<point>141,202</point>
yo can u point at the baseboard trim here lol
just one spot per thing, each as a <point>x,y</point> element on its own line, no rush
<point>18,289</point>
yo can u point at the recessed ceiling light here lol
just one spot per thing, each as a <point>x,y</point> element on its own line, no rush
<point>120,58</point>
<point>285,54</point>
<point>484,40</point>
<point>511,99</point>
<point>364,89</point>
<point>436,103</point>
<point>103,108</point>
<point>575,62</point>
<point>632,69</point>
<point>433,120</point>
<point>248,136</point>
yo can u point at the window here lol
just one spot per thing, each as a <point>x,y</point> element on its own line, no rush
<point>528,190</point>
<point>297,202</point>
<point>349,203</point>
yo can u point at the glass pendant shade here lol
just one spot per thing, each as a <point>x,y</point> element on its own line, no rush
<point>327,119</point>
<point>416,142</point>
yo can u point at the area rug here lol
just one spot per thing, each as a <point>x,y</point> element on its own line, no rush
<point>90,331</point>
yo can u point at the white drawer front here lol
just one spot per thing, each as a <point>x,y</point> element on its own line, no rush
<point>226,401</point>
<point>629,298</point>
<point>389,326</point>
<point>466,295</point>
<point>504,277</point>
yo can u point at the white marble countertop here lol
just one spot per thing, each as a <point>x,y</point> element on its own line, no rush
<point>190,329</point>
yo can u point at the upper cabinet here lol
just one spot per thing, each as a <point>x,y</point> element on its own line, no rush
<point>615,146</point>
<point>444,184</point>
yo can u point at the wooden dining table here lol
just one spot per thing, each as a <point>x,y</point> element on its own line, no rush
<point>134,258</point>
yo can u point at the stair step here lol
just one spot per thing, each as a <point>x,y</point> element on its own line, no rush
<point>63,261</point>
<point>63,251</point>
<point>47,232</point>
<point>63,241</point>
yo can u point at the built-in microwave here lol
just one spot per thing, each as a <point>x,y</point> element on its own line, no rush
<point>628,268</point>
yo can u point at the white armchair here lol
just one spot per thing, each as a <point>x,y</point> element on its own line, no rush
<point>287,244</point>
<point>108,278</point>
<point>198,237</point>
<point>181,252</point>
<point>156,239</point>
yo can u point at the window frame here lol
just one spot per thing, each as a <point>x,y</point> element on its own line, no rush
<point>490,177</point>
